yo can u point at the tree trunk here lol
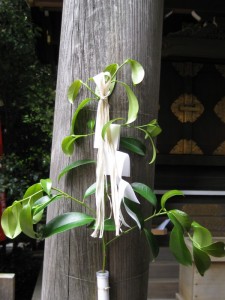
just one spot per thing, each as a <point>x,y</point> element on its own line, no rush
<point>94,34</point>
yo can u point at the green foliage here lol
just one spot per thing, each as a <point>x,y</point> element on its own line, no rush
<point>19,171</point>
<point>215,249</point>
<point>10,222</point>
<point>145,191</point>
<point>65,222</point>
<point>152,242</point>
<point>178,246</point>
<point>74,90</point>
<point>17,37</point>
<point>202,236</point>
<point>90,191</point>
<point>107,125</point>
<point>109,225</point>
<point>133,209</point>
<point>74,165</point>
<point>112,69</point>
<point>202,260</point>
<point>179,217</point>
<point>79,108</point>
<point>23,215</point>
<point>202,244</point>
<point>168,195</point>
<point>137,71</point>
<point>68,144</point>
<point>133,145</point>
<point>27,91</point>
<point>133,103</point>
<point>151,130</point>
<point>46,186</point>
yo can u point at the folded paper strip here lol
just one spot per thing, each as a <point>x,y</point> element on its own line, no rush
<point>110,162</point>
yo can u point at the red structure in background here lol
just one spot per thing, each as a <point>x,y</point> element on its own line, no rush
<point>2,195</point>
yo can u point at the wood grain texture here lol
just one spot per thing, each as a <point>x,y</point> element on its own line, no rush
<point>94,34</point>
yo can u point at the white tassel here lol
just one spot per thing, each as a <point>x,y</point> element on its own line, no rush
<point>101,119</point>
<point>109,162</point>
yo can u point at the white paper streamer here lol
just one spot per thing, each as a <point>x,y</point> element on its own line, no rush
<point>125,190</point>
<point>114,133</point>
<point>101,119</point>
<point>110,162</point>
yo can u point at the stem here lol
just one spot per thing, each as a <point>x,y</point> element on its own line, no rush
<point>140,128</point>
<point>21,200</point>
<point>74,199</point>
<point>88,87</point>
<point>134,227</point>
<point>124,63</point>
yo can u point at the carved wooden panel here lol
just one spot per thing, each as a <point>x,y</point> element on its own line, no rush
<point>187,108</point>
<point>220,150</point>
<point>192,109</point>
<point>219,109</point>
<point>187,147</point>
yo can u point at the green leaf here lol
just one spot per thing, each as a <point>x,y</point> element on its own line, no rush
<point>68,144</point>
<point>38,217</point>
<point>153,128</point>
<point>145,192</point>
<point>65,222</point>
<point>202,236</point>
<point>43,202</point>
<point>112,69</point>
<point>107,125</point>
<point>202,260</point>
<point>46,185</point>
<point>79,108</point>
<point>10,220</point>
<point>74,165</point>
<point>152,242</point>
<point>137,71</point>
<point>181,217</point>
<point>90,191</point>
<point>35,192</point>
<point>169,195</point>
<point>73,90</point>
<point>26,221</point>
<point>215,249</point>
<point>109,225</point>
<point>133,210</point>
<point>153,150</point>
<point>133,104</point>
<point>147,135</point>
<point>178,247</point>
<point>133,145</point>
<point>91,125</point>
<point>175,221</point>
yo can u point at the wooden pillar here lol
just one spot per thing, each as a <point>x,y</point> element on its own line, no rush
<point>94,34</point>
